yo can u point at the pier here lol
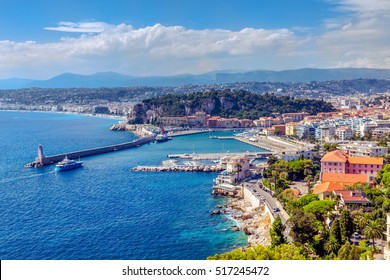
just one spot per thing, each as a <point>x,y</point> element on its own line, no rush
<point>42,160</point>
<point>178,168</point>
<point>216,156</point>
<point>186,132</point>
<point>222,137</point>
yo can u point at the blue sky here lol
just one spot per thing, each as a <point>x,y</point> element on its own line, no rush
<point>41,39</point>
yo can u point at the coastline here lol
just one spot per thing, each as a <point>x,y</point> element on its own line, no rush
<point>254,222</point>
<point>101,116</point>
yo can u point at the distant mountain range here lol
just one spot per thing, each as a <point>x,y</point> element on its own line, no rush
<point>112,79</point>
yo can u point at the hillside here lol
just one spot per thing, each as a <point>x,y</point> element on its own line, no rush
<point>225,103</point>
<point>112,79</point>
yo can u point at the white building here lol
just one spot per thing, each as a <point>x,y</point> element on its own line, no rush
<point>344,133</point>
<point>363,149</point>
<point>294,155</point>
<point>326,133</point>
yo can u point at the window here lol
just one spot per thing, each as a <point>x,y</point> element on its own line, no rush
<point>372,165</point>
<point>365,165</point>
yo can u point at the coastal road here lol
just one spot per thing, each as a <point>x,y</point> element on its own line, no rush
<point>255,186</point>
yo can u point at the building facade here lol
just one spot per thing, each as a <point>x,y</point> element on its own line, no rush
<point>340,162</point>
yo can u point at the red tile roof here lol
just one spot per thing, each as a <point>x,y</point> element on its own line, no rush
<point>339,156</point>
<point>355,197</point>
<point>344,178</point>
<point>335,156</point>
<point>327,187</point>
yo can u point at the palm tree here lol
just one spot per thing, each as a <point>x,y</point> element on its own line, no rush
<point>373,230</point>
<point>362,221</point>
<point>332,245</point>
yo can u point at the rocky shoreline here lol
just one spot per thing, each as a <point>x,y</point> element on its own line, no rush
<point>255,222</point>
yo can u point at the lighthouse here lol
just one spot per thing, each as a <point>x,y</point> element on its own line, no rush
<point>40,155</point>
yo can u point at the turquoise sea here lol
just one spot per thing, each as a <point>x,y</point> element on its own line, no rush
<point>104,210</point>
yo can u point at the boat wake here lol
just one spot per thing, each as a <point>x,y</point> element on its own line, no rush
<point>13,179</point>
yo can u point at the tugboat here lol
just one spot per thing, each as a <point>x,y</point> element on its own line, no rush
<point>68,164</point>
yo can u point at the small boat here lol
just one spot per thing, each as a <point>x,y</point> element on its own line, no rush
<point>162,138</point>
<point>68,164</point>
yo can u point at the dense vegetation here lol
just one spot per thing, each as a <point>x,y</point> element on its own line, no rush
<point>227,103</point>
<point>316,229</point>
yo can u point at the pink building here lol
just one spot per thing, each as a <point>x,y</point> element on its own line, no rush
<point>340,162</point>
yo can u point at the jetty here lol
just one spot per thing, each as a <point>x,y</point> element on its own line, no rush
<point>216,156</point>
<point>222,137</point>
<point>42,160</point>
<point>179,168</point>
<point>186,132</point>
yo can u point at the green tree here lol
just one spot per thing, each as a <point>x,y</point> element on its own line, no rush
<point>349,252</point>
<point>260,252</point>
<point>321,209</point>
<point>303,226</point>
<point>346,224</point>
<point>305,200</point>
<point>276,232</point>
<point>335,231</point>
<point>372,231</point>
<point>361,221</point>
<point>332,245</point>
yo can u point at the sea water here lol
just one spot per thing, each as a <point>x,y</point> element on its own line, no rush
<point>104,210</point>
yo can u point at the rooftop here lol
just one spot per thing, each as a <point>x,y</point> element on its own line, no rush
<point>327,187</point>
<point>344,178</point>
<point>339,156</point>
<point>356,197</point>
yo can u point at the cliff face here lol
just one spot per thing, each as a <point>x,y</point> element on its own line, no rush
<point>144,112</point>
<point>224,103</point>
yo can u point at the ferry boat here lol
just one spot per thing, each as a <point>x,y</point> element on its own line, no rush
<point>68,164</point>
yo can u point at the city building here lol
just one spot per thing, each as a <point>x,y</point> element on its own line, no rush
<point>306,130</point>
<point>296,154</point>
<point>363,149</point>
<point>343,179</point>
<point>343,133</point>
<point>351,199</point>
<point>291,129</point>
<point>324,190</point>
<point>325,133</point>
<point>295,117</point>
<point>342,163</point>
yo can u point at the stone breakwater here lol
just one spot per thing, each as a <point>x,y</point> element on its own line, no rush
<point>178,168</point>
<point>46,160</point>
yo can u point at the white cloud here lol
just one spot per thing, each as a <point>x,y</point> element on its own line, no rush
<point>80,27</point>
<point>152,50</point>
<point>359,36</point>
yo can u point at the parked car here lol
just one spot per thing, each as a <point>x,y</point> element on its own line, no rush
<point>275,209</point>
<point>356,235</point>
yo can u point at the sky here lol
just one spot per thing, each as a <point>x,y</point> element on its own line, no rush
<point>40,39</point>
